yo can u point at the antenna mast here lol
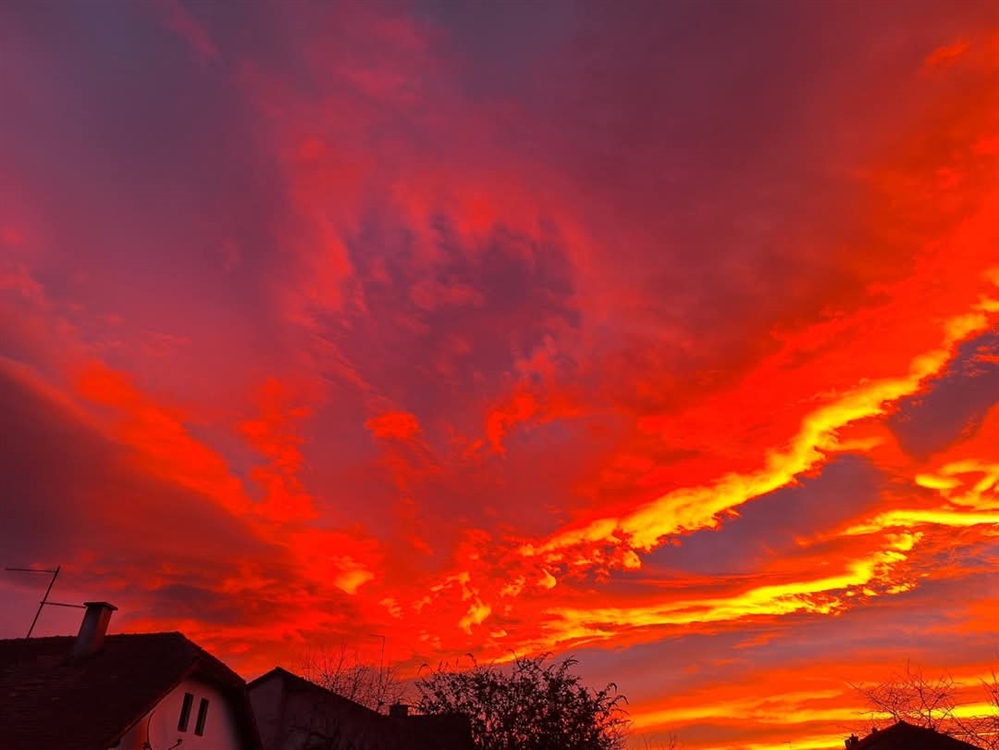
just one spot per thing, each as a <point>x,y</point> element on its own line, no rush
<point>381,671</point>
<point>45,599</point>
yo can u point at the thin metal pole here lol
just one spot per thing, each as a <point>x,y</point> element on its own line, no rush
<point>381,672</point>
<point>45,599</point>
<point>41,604</point>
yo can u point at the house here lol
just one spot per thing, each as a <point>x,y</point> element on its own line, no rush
<point>295,714</point>
<point>905,736</point>
<point>149,691</point>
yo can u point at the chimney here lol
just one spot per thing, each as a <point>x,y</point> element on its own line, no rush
<point>398,710</point>
<point>851,741</point>
<point>93,628</point>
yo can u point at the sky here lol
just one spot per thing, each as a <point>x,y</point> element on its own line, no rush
<point>664,334</point>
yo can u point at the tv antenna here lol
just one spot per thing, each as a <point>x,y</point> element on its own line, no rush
<point>381,670</point>
<point>45,599</point>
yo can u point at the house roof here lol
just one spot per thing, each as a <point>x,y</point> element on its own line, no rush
<point>295,683</point>
<point>445,732</point>
<point>905,736</point>
<point>49,699</point>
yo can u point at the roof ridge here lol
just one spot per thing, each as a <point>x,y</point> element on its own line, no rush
<point>278,670</point>
<point>204,653</point>
<point>36,638</point>
<point>109,635</point>
<point>281,671</point>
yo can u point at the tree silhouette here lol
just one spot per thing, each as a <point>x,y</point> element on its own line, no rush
<point>932,703</point>
<point>341,670</point>
<point>984,730</point>
<point>912,698</point>
<point>671,742</point>
<point>533,704</point>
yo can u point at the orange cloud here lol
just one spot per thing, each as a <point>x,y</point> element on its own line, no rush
<point>946,55</point>
<point>395,425</point>
<point>693,508</point>
<point>161,443</point>
<point>274,435</point>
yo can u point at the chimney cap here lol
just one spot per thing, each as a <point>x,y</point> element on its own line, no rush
<point>93,628</point>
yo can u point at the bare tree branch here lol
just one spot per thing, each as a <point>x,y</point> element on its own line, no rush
<point>341,670</point>
<point>932,703</point>
<point>912,698</point>
<point>983,730</point>
<point>671,742</point>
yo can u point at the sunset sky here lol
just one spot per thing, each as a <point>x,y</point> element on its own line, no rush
<point>662,333</point>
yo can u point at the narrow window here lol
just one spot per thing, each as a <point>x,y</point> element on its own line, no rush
<point>199,727</point>
<point>185,712</point>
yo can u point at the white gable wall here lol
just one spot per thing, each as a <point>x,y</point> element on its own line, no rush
<point>221,731</point>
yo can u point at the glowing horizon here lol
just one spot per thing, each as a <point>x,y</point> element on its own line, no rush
<point>662,334</point>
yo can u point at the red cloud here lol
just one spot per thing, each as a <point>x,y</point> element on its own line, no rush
<point>946,55</point>
<point>397,425</point>
<point>180,20</point>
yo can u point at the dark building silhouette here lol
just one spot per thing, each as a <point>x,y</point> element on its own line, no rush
<point>295,714</point>
<point>905,736</point>
<point>99,691</point>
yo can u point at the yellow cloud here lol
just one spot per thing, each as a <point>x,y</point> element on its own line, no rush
<point>699,507</point>
<point>814,595</point>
